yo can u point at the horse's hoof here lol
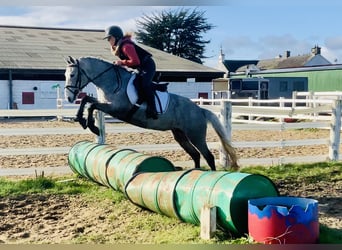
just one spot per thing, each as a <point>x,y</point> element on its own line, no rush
<point>95,130</point>
<point>83,123</point>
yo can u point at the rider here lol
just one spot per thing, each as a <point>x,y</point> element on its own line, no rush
<point>133,56</point>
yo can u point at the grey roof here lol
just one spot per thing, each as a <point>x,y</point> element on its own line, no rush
<point>233,65</point>
<point>46,48</point>
<point>283,62</point>
<point>289,62</point>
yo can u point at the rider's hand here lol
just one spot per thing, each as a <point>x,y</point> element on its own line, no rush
<point>118,62</point>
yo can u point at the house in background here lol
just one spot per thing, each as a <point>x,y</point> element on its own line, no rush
<point>284,61</point>
<point>322,75</point>
<point>32,65</point>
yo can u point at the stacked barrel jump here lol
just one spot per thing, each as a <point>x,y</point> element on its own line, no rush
<point>154,183</point>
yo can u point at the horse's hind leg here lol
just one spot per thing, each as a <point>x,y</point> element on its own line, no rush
<point>198,140</point>
<point>184,142</point>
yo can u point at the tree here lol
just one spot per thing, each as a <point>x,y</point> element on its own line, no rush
<point>177,32</point>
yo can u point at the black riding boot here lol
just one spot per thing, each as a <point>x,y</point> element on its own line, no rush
<point>151,111</point>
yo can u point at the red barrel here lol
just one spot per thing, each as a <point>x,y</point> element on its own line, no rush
<point>283,220</point>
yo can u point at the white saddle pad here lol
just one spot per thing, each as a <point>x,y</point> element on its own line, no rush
<point>162,97</point>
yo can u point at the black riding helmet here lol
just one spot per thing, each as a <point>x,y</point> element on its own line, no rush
<point>114,31</point>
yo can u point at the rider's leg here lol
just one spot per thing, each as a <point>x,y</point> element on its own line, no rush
<point>148,69</point>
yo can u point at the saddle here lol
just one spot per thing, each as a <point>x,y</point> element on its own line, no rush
<point>134,93</point>
<point>162,87</point>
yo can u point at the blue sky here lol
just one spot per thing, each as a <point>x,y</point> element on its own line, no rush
<point>244,29</point>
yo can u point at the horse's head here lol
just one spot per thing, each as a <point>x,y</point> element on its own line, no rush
<point>89,69</point>
<point>73,83</point>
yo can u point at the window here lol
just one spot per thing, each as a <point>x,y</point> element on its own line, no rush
<point>298,86</point>
<point>27,97</point>
<point>250,85</point>
<point>235,85</point>
<point>80,97</point>
<point>203,95</point>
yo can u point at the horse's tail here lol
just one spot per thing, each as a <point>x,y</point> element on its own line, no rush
<point>215,122</point>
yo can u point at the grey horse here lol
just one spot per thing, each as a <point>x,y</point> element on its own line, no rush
<point>186,120</point>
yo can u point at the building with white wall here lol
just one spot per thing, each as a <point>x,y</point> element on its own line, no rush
<point>32,64</point>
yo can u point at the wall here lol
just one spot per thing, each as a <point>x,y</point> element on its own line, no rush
<point>318,80</point>
<point>45,95</point>
<point>4,94</point>
<point>190,89</point>
<point>36,94</point>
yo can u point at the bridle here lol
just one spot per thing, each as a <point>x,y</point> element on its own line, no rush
<point>74,89</point>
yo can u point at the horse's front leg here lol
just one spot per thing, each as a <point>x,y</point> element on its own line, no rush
<point>104,107</point>
<point>91,120</point>
<point>79,115</point>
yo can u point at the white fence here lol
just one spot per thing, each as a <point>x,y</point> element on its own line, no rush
<point>309,117</point>
<point>322,114</point>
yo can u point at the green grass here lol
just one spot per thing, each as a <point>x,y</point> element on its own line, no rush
<point>308,173</point>
<point>142,223</point>
<point>42,185</point>
<point>47,185</point>
<point>330,235</point>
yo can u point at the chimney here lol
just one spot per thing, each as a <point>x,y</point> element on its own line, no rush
<point>316,50</point>
<point>221,56</point>
<point>220,64</point>
<point>287,54</point>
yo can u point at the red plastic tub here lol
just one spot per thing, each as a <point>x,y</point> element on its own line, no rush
<point>283,220</point>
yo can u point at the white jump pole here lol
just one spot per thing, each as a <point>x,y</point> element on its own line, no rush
<point>100,123</point>
<point>226,120</point>
<point>335,129</point>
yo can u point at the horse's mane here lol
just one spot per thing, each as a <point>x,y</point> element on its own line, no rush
<point>93,58</point>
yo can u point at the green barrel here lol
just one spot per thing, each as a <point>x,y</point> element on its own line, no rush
<point>110,167</point>
<point>239,188</point>
<point>97,163</point>
<point>126,164</point>
<point>114,169</point>
<point>155,191</point>
<point>228,192</point>
<point>184,196</point>
<point>153,183</point>
<point>142,190</point>
<point>78,155</point>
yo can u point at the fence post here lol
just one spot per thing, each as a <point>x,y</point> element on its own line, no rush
<point>294,97</point>
<point>335,128</point>
<point>250,104</point>
<point>226,120</point>
<point>281,105</point>
<point>100,123</point>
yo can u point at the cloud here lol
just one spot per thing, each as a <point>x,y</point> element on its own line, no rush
<point>96,17</point>
<point>272,46</point>
<point>118,2</point>
<point>265,47</point>
<point>334,43</point>
<point>238,46</point>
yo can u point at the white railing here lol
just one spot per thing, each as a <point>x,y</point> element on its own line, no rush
<point>332,107</point>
